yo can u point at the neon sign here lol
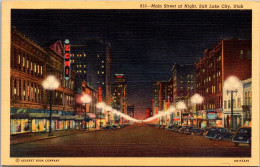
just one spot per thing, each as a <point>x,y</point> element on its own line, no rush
<point>67,59</point>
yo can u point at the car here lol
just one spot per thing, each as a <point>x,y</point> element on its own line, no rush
<point>176,128</point>
<point>218,133</point>
<point>170,127</point>
<point>115,126</point>
<point>106,127</point>
<point>243,135</point>
<point>181,130</point>
<point>223,133</point>
<point>192,130</point>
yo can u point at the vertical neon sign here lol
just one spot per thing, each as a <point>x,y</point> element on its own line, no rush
<point>67,59</point>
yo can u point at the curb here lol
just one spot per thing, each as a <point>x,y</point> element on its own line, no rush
<point>50,137</point>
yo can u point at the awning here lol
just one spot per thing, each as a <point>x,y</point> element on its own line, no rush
<point>33,115</point>
<point>67,117</point>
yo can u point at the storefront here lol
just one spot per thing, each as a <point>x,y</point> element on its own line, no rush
<point>32,122</point>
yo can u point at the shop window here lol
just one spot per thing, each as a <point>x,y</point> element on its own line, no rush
<point>234,103</point>
<point>246,101</point>
<point>238,102</point>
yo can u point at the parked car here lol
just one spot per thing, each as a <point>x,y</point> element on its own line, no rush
<point>192,130</point>
<point>243,135</point>
<point>106,127</point>
<point>115,126</point>
<point>223,133</point>
<point>219,133</point>
<point>170,127</point>
<point>176,128</point>
<point>181,130</point>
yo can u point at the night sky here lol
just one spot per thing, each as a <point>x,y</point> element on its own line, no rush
<point>144,43</point>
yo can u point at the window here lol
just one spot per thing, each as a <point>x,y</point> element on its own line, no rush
<point>35,67</point>
<point>23,61</point>
<point>103,61</point>
<point>41,70</point>
<point>38,69</point>
<point>19,59</point>
<point>102,66</point>
<point>102,72</point>
<point>27,64</point>
<point>209,79</point>
<point>85,55</point>
<point>229,103</point>
<point>97,72</point>
<point>234,103</point>
<point>225,104</point>
<point>98,55</point>
<point>241,54</point>
<point>238,102</point>
<point>246,101</point>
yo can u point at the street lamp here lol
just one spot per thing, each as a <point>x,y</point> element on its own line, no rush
<point>50,83</point>
<point>108,109</point>
<point>86,99</point>
<point>181,106</point>
<point>232,85</point>
<point>100,106</point>
<point>196,99</point>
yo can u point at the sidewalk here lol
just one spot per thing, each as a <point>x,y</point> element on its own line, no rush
<point>33,136</point>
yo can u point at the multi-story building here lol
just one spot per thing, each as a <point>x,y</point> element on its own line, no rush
<point>119,93</point>
<point>227,58</point>
<point>131,110</point>
<point>93,67</point>
<point>30,65</point>
<point>162,98</point>
<point>184,86</point>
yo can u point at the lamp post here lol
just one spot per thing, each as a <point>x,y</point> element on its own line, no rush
<point>50,83</point>
<point>86,99</point>
<point>196,99</point>
<point>100,106</point>
<point>181,106</point>
<point>232,85</point>
<point>108,109</point>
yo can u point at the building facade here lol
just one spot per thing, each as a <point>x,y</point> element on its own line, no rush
<point>162,99</point>
<point>93,66</point>
<point>30,65</point>
<point>184,86</point>
<point>227,58</point>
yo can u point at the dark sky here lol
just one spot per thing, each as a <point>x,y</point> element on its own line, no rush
<point>144,43</point>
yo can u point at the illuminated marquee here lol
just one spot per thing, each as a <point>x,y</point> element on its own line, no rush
<point>67,59</point>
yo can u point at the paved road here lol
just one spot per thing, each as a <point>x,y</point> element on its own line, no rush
<point>133,141</point>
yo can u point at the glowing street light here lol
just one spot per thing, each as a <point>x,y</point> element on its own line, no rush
<point>50,83</point>
<point>108,109</point>
<point>100,106</point>
<point>86,99</point>
<point>196,99</point>
<point>232,85</point>
<point>181,106</point>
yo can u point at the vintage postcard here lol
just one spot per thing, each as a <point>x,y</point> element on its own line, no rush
<point>130,83</point>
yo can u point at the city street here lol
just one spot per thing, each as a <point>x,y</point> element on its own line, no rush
<point>139,140</point>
